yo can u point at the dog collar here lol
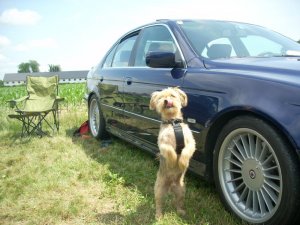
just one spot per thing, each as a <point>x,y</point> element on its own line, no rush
<point>178,133</point>
<point>172,121</point>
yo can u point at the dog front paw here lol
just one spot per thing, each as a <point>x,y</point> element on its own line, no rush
<point>183,162</point>
<point>171,159</point>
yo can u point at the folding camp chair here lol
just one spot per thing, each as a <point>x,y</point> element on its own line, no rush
<point>42,99</point>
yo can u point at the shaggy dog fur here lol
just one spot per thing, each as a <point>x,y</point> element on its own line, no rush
<point>170,176</point>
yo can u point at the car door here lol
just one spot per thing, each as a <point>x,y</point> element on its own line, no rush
<point>111,75</point>
<point>141,81</point>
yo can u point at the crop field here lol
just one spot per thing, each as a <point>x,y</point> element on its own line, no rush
<point>62,179</point>
<point>73,93</point>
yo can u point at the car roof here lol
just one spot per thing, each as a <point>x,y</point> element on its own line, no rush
<point>172,22</point>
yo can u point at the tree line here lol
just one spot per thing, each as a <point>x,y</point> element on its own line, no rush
<point>32,66</point>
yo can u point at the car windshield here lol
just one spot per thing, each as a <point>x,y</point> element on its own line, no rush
<point>220,39</point>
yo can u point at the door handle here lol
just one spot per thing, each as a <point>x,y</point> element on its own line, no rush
<point>128,80</point>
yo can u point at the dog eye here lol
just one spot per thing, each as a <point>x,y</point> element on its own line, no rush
<point>173,96</point>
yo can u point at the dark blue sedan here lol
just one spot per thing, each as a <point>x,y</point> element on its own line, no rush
<point>243,87</point>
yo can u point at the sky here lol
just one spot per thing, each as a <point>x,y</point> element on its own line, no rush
<point>76,34</point>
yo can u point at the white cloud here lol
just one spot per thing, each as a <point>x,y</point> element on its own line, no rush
<point>4,41</point>
<point>17,17</point>
<point>7,66</point>
<point>41,43</point>
<point>2,57</point>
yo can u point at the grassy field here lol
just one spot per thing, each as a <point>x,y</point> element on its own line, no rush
<point>67,180</point>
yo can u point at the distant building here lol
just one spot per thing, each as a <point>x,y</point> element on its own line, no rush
<point>13,79</point>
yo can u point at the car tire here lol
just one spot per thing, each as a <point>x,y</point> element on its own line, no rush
<point>96,119</point>
<point>257,172</point>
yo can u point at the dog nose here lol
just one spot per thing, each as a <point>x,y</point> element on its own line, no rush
<point>168,103</point>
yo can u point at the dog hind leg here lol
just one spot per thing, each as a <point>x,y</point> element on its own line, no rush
<point>178,189</point>
<point>179,196</point>
<point>160,190</point>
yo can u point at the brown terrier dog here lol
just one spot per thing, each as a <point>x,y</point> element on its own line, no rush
<point>173,161</point>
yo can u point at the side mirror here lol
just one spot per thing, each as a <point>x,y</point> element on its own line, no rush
<point>161,60</point>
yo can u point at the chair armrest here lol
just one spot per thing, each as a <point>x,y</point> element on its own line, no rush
<point>13,102</point>
<point>59,99</point>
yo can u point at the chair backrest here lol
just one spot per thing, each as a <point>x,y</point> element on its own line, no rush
<point>216,51</point>
<point>42,92</point>
<point>40,87</point>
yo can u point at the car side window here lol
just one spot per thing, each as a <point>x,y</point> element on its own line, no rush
<point>123,52</point>
<point>155,38</point>
<point>109,58</point>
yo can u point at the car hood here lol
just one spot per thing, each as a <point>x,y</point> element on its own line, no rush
<point>281,69</point>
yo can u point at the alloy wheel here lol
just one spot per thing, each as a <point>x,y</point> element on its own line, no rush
<point>250,175</point>
<point>94,117</point>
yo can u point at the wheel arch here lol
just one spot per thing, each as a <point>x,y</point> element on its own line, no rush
<point>100,131</point>
<point>218,122</point>
<point>90,95</point>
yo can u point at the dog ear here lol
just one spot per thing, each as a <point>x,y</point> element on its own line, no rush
<point>183,96</point>
<point>153,100</point>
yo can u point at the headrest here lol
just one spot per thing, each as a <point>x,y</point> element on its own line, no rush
<point>216,51</point>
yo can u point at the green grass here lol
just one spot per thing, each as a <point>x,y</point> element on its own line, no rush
<point>67,180</point>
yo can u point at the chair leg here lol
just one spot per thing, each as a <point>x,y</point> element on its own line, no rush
<point>24,126</point>
<point>38,127</point>
<point>33,123</point>
<point>44,119</point>
<point>26,121</point>
<point>56,119</point>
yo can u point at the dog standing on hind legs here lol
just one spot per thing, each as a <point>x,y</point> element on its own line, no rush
<point>176,146</point>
